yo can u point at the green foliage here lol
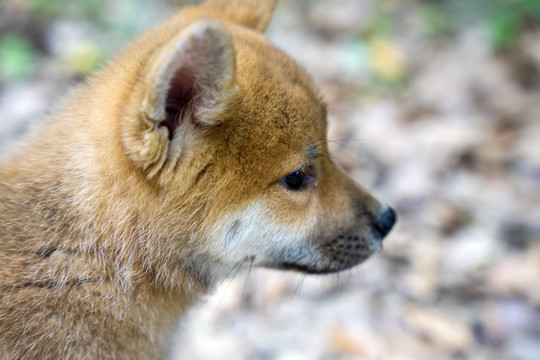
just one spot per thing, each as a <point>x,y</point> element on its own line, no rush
<point>106,24</point>
<point>49,9</point>
<point>433,21</point>
<point>508,17</point>
<point>17,58</point>
<point>503,20</point>
<point>380,24</point>
<point>502,29</point>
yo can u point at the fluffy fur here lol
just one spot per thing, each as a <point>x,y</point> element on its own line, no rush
<point>160,173</point>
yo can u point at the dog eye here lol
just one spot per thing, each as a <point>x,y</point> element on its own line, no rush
<point>299,179</point>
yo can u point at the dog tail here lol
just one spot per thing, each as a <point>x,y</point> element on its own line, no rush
<point>255,14</point>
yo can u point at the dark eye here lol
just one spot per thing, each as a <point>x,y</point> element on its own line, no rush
<point>299,179</point>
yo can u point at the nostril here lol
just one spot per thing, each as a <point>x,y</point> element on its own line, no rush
<point>386,221</point>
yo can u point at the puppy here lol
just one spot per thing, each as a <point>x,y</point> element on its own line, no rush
<point>198,149</point>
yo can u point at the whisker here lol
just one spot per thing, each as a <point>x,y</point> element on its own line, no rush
<point>235,269</point>
<point>331,156</point>
<point>230,276</point>
<point>340,143</point>
<point>338,275</point>
<point>247,277</point>
<point>298,289</point>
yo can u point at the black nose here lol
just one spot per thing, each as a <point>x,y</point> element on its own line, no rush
<point>386,220</point>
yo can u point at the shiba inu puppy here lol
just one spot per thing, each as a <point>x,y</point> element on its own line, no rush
<point>198,149</point>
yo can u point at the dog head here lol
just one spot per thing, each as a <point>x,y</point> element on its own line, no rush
<point>228,135</point>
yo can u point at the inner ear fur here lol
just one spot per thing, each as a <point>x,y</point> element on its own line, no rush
<point>188,85</point>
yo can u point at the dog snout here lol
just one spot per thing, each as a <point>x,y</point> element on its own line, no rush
<point>385,221</point>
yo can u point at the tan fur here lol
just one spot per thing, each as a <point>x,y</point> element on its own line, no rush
<point>111,225</point>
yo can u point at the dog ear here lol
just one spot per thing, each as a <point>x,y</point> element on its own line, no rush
<point>192,78</point>
<point>188,84</point>
<point>255,14</point>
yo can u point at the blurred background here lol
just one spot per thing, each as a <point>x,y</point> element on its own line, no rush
<point>434,105</point>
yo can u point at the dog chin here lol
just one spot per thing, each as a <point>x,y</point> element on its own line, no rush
<point>310,262</point>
